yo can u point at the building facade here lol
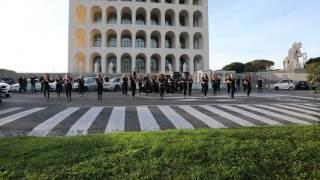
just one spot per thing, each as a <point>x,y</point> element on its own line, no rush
<point>146,36</point>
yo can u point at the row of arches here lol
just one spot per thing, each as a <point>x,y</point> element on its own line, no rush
<point>184,2</point>
<point>140,39</point>
<point>141,16</point>
<point>125,63</point>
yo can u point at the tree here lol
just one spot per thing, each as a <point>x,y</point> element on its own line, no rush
<point>236,66</point>
<point>313,60</point>
<point>7,73</point>
<point>313,77</point>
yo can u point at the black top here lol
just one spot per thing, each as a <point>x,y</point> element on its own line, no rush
<point>99,82</point>
<point>81,82</point>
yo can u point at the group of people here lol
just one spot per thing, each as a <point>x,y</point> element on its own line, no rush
<point>161,84</point>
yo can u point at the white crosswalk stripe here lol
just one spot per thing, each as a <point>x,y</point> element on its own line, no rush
<point>313,105</point>
<point>146,119</point>
<point>177,120</point>
<point>228,116</point>
<point>276,115</point>
<point>20,115</point>
<point>212,123</point>
<point>9,110</point>
<point>84,123</point>
<point>289,112</point>
<point>305,107</point>
<point>252,115</point>
<point>117,120</point>
<point>44,128</point>
<point>297,109</point>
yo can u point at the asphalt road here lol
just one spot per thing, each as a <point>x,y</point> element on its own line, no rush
<point>29,114</point>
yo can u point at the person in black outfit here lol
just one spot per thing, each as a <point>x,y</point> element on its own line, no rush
<point>20,81</point>
<point>161,80</point>
<point>59,82</point>
<point>133,78</point>
<point>219,83</point>
<point>171,85</point>
<point>244,85</point>
<point>232,82</point>
<point>68,87</point>
<point>41,82</point>
<point>46,87</point>
<point>259,83</point>
<point>205,84</point>
<point>33,84</point>
<point>214,82</point>
<point>140,84</point>
<point>124,85</point>
<point>248,85</point>
<point>81,86</point>
<point>147,85</point>
<point>99,82</point>
<point>190,82</point>
<point>228,83</point>
<point>184,84</point>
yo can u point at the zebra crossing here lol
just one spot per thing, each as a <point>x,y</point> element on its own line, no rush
<point>80,121</point>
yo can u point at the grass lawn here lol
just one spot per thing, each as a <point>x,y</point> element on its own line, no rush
<point>250,153</point>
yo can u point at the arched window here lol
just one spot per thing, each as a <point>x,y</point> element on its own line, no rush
<point>96,14</point>
<point>112,15</point>
<point>80,37</point>
<point>198,63</point>
<point>126,16</point>
<point>184,40</point>
<point>155,39</point>
<point>184,63</point>
<point>126,39</point>
<point>111,37</point>
<point>155,17</point>
<point>141,39</point>
<point>197,19</point>
<point>141,16</point>
<point>96,63</point>
<point>155,63</point>
<point>81,14</point>
<point>96,38</point>
<point>197,41</point>
<point>170,63</point>
<point>140,64</point>
<point>170,40</point>
<point>184,18</point>
<point>126,64</point>
<point>170,18</point>
<point>80,63</point>
<point>111,63</point>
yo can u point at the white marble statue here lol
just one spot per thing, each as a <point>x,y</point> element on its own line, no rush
<point>184,67</point>
<point>111,68</point>
<point>169,67</point>
<point>291,62</point>
<point>97,67</point>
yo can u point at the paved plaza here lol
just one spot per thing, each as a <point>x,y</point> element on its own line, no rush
<point>29,114</point>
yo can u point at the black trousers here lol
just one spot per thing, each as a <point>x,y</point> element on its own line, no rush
<point>81,90</point>
<point>248,91</point>
<point>205,90</point>
<point>100,89</point>
<point>162,89</point>
<point>215,89</point>
<point>232,92</point>
<point>133,89</point>
<point>46,92</point>
<point>58,90</point>
<point>259,89</point>
<point>68,91</point>
<point>33,88</point>
<point>140,88</point>
<point>185,89</point>
<point>190,89</point>
<point>228,88</point>
<point>125,89</point>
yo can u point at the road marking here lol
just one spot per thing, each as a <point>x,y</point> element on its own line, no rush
<point>20,115</point>
<point>229,116</point>
<point>252,115</point>
<point>289,112</point>
<point>310,98</point>
<point>178,121</point>
<point>146,119</point>
<point>296,109</point>
<point>44,128</point>
<point>117,120</point>
<point>313,105</point>
<point>84,123</point>
<point>306,107</point>
<point>276,115</point>
<point>212,123</point>
<point>9,110</point>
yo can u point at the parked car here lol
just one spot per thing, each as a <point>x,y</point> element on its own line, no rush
<point>284,85</point>
<point>5,89</point>
<point>9,81</point>
<point>113,85</point>
<point>16,87</point>
<point>302,85</point>
<point>89,84</point>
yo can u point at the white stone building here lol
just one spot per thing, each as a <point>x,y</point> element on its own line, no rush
<point>146,36</point>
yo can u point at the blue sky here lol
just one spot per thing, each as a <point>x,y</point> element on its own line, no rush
<point>34,33</point>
